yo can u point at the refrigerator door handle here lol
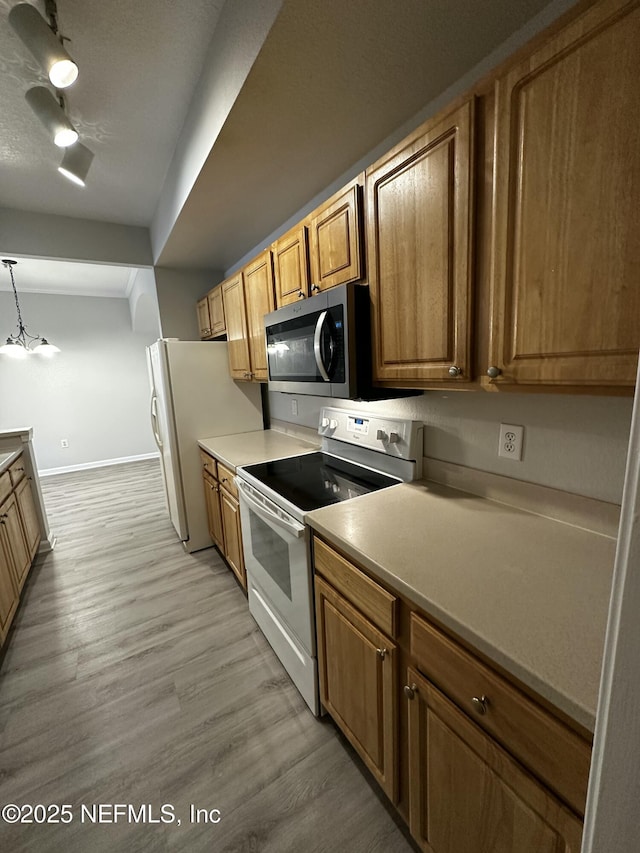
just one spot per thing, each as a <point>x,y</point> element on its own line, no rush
<point>154,420</point>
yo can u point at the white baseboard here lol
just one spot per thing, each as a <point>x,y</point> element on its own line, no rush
<point>103,463</point>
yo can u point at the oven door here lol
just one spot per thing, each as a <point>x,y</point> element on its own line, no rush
<point>277,559</point>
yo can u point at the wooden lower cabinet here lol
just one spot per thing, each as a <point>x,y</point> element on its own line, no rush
<point>28,514</point>
<point>230,508</point>
<point>358,682</point>
<point>8,590</point>
<point>15,541</point>
<point>214,512</point>
<point>467,795</point>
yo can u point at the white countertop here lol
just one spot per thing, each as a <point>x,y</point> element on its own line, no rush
<point>6,458</point>
<point>528,592</point>
<point>249,447</point>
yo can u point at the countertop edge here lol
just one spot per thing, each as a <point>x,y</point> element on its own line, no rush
<point>10,459</point>
<point>581,715</point>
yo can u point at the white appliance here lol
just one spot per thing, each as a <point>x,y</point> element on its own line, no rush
<point>192,397</point>
<point>360,453</point>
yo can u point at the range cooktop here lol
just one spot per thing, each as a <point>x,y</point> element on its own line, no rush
<point>318,479</point>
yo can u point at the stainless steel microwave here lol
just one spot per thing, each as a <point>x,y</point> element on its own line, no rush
<point>321,345</point>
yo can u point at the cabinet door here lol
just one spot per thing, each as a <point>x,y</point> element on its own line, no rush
<point>260,300</point>
<point>237,337</point>
<point>335,245</point>
<point>29,516</point>
<point>15,539</point>
<point>216,312</point>
<point>204,322</point>
<point>214,512</point>
<point>291,266</point>
<point>467,795</point>
<point>233,536</point>
<point>566,250</point>
<point>357,665</point>
<point>419,246</point>
<point>8,589</point>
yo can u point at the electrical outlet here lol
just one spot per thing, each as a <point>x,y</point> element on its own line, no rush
<point>510,445</point>
<point>294,406</point>
<point>64,442</point>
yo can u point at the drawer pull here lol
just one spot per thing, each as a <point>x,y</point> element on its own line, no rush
<point>381,653</point>
<point>410,691</point>
<point>480,705</point>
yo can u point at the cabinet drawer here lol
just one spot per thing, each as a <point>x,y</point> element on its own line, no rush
<point>553,751</point>
<point>372,600</point>
<point>209,464</point>
<point>5,485</point>
<point>226,475</point>
<point>16,470</point>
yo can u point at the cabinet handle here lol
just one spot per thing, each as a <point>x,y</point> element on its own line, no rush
<point>493,371</point>
<point>480,705</point>
<point>381,653</point>
<point>300,295</point>
<point>454,370</point>
<point>19,469</point>
<point>314,287</point>
<point>410,691</point>
<point>247,375</point>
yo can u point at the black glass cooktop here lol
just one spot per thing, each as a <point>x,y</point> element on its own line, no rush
<point>318,479</point>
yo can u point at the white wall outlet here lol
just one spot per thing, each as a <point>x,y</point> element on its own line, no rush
<point>510,445</point>
<point>64,442</point>
<point>294,406</point>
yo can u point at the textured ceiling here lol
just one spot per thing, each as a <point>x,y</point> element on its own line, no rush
<point>332,81</point>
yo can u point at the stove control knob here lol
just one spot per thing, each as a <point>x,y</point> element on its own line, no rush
<point>335,487</point>
<point>324,423</point>
<point>394,438</point>
<point>381,435</point>
<point>333,423</point>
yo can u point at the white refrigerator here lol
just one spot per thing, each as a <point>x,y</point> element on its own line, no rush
<point>192,397</point>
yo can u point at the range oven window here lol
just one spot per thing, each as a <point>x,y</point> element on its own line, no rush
<point>272,552</point>
<point>309,348</point>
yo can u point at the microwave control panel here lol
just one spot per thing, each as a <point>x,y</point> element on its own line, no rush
<point>398,437</point>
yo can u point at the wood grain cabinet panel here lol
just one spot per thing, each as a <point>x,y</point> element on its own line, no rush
<point>566,248</point>
<point>237,334</point>
<point>259,300</point>
<point>467,795</point>
<point>8,590</point>
<point>204,320</point>
<point>419,231</point>
<point>291,266</point>
<point>357,665</point>
<point>216,312</point>
<point>233,536</point>
<point>214,510</point>
<point>28,516</point>
<point>335,241</point>
<point>15,540</point>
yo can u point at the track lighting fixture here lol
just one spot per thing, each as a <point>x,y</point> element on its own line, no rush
<point>52,115</point>
<point>75,163</point>
<point>22,344</point>
<point>44,42</point>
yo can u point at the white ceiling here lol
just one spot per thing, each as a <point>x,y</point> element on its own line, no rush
<point>333,80</point>
<point>68,278</point>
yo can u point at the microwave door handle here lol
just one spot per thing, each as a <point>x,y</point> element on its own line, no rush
<point>292,527</point>
<point>317,350</point>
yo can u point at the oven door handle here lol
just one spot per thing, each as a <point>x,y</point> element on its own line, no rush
<point>291,526</point>
<point>317,350</point>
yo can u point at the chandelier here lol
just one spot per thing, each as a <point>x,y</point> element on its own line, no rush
<point>23,344</point>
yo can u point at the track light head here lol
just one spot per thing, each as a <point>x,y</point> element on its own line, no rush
<point>52,116</point>
<point>75,163</point>
<point>38,36</point>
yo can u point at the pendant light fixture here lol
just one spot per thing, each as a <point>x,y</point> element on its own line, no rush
<point>52,115</point>
<point>44,42</point>
<point>23,344</point>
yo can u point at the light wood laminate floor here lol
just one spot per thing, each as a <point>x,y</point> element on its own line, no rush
<point>136,675</point>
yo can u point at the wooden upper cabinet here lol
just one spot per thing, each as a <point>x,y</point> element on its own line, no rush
<point>216,312</point>
<point>237,336</point>
<point>204,321</point>
<point>419,229</point>
<point>259,300</point>
<point>467,795</point>
<point>566,246</point>
<point>291,266</point>
<point>335,239</point>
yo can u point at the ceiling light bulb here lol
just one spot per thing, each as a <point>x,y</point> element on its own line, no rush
<point>52,116</point>
<point>38,36</point>
<point>75,163</point>
<point>13,350</point>
<point>46,349</point>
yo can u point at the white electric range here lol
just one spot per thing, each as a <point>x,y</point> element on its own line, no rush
<point>360,453</point>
